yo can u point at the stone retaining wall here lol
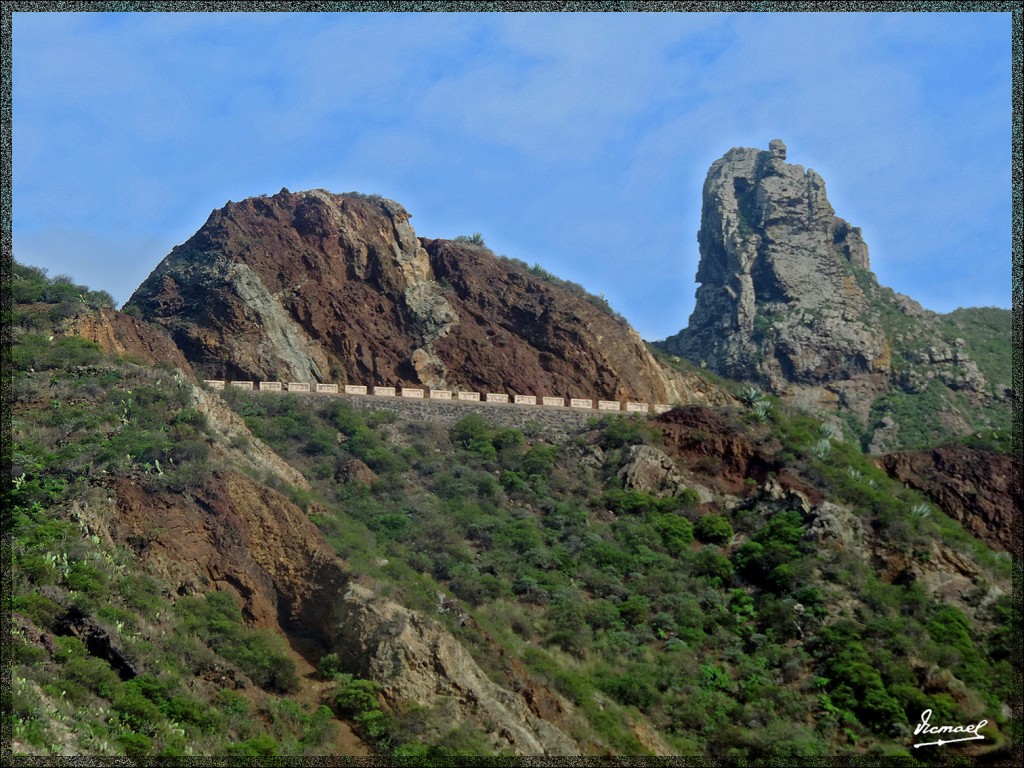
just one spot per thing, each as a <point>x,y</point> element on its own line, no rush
<point>448,412</point>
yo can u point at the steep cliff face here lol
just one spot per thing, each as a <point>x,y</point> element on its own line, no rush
<point>526,335</point>
<point>779,302</point>
<point>320,287</point>
<point>787,301</point>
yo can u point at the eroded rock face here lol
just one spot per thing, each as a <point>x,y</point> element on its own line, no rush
<point>972,486</point>
<point>415,660</point>
<point>779,302</point>
<point>236,535</point>
<point>787,301</point>
<point>123,335</point>
<point>314,286</point>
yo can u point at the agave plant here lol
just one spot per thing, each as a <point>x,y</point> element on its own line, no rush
<point>750,396</point>
<point>761,410</point>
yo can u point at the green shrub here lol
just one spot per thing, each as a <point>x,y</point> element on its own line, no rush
<point>631,502</point>
<point>632,688</point>
<point>93,674</point>
<point>469,431</point>
<point>713,566</point>
<point>263,745</point>
<point>353,696</point>
<point>505,440</point>
<point>136,746</point>
<point>216,618</point>
<point>620,431</point>
<point>540,460</point>
<point>87,578</point>
<point>328,666</point>
<point>714,529</point>
<point>676,533</point>
<point>135,704</point>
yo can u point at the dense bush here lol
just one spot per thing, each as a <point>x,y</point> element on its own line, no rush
<point>714,529</point>
<point>31,285</point>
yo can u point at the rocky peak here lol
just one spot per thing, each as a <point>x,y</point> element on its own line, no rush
<point>787,301</point>
<point>779,300</point>
<point>319,287</point>
<point>267,287</point>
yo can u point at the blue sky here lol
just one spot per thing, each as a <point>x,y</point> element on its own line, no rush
<point>579,141</point>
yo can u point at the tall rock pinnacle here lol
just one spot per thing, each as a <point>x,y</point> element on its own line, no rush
<point>781,301</point>
<point>787,301</point>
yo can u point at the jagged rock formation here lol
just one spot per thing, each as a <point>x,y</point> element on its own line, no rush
<point>418,661</point>
<point>787,301</point>
<point>779,302</point>
<point>314,286</point>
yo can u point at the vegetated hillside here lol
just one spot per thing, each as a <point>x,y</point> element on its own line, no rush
<point>787,301</point>
<point>951,376</point>
<point>159,566</point>
<point>314,286</point>
<point>729,581</point>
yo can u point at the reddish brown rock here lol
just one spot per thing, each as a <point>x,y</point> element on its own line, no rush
<point>728,455</point>
<point>235,534</point>
<point>711,445</point>
<point>123,335</point>
<point>972,486</point>
<point>314,286</point>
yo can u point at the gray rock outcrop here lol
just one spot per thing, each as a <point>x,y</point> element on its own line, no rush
<point>787,301</point>
<point>780,302</point>
<point>415,660</point>
<point>650,470</point>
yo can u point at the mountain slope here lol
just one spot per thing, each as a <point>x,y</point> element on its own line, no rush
<point>731,582</point>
